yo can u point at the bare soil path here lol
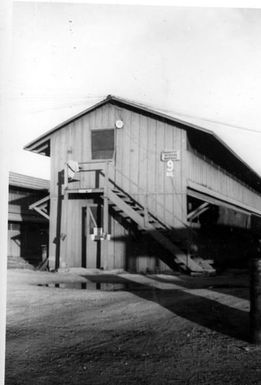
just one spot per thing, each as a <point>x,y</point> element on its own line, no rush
<point>157,329</point>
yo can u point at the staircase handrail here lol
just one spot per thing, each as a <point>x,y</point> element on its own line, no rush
<point>141,191</point>
<point>144,192</point>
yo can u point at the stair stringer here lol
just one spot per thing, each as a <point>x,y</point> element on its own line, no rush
<point>183,261</point>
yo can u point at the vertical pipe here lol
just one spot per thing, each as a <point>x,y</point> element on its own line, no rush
<point>106,213</point>
<point>84,238</point>
<point>65,213</point>
<point>58,221</point>
<point>106,200</point>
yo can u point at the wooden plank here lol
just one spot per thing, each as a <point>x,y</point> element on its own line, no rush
<point>179,257</point>
<point>14,240</point>
<point>40,202</point>
<point>220,198</point>
<point>160,169</point>
<point>126,208</point>
<point>85,191</point>
<point>134,152</point>
<point>41,212</point>
<point>183,172</point>
<point>220,181</point>
<point>198,211</point>
<point>119,245</point>
<point>170,183</point>
<point>151,164</point>
<point>125,165</point>
<point>52,232</point>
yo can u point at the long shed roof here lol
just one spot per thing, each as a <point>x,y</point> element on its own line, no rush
<point>28,182</point>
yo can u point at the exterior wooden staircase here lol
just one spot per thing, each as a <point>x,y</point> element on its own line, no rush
<point>131,210</point>
<point>124,204</point>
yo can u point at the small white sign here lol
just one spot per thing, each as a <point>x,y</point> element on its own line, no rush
<point>170,155</point>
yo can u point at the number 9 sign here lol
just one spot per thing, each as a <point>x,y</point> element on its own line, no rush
<point>170,168</point>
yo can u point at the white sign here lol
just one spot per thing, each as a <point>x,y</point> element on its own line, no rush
<point>170,155</point>
<point>170,168</point>
<point>72,168</point>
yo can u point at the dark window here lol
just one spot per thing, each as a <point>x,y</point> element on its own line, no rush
<point>102,144</point>
<point>14,226</point>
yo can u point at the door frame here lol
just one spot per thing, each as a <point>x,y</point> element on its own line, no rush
<point>87,215</point>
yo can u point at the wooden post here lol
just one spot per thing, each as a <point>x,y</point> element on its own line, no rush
<point>106,214</point>
<point>65,186</point>
<point>255,298</point>
<point>58,222</point>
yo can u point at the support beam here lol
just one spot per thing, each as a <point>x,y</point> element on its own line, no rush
<point>92,217</point>
<point>42,149</point>
<point>40,202</point>
<point>42,213</point>
<point>205,194</point>
<point>41,207</point>
<point>198,211</point>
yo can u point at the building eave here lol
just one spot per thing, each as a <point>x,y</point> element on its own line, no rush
<point>36,145</point>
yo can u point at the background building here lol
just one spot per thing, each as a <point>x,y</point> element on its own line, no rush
<point>27,229</point>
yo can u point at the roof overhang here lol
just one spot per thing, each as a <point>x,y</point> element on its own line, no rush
<point>17,180</point>
<point>41,145</point>
<point>18,217</point>
<point>206,195</point>
<point>37,144</point>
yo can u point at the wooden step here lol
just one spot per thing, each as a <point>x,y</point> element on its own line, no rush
<point>157,231</point>
<point>204,263</point>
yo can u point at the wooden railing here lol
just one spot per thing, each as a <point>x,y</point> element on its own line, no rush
<point>109,172</point>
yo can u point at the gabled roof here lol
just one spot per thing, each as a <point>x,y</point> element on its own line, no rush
<point>157,113</point>
<point>28,182</point>
<point>198,131</point>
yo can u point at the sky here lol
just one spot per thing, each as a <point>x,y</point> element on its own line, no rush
<point>201,62</point>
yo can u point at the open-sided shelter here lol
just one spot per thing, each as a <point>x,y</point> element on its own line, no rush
<point>27,229</point>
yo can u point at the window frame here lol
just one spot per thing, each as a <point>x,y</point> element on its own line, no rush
<point>112,158</point>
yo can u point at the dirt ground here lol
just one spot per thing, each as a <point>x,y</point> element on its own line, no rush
<point>156,329</point>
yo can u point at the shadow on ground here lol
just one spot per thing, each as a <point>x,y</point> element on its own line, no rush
<point>193,307</point>
<point>223,285</point>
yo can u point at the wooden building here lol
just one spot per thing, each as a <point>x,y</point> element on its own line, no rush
<point>27,229</point>
<point>130,186</point>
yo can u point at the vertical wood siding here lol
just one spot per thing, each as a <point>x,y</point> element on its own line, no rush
<point>140,171</point>
<point>139,145</point>
<point>14,239</point>
<point>207,174</point>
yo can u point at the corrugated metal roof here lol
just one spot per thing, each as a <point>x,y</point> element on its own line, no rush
<point>26,181</point>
